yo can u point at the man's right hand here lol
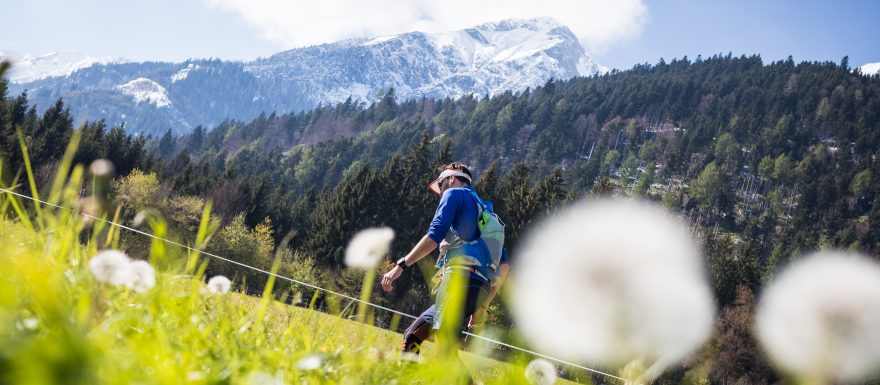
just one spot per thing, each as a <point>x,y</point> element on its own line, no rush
<point>389,278</point>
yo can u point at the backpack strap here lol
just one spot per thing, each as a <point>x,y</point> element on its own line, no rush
<point>479,201</point>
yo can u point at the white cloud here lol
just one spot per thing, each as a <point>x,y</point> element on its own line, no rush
<point>597,23</point>
<point>870,69</point>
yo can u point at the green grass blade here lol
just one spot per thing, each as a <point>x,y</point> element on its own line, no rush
<point>63,167</point>
<point>30,174</point>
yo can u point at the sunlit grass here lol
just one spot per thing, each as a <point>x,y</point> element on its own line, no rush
<point>61,325</point>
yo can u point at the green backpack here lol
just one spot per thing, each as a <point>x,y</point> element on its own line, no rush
<point>491,231</point>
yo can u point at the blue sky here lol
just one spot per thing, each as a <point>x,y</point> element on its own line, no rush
<point>807,30</point>
<point>618,33</point>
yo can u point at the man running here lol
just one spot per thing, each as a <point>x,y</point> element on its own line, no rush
<point>464,261</point>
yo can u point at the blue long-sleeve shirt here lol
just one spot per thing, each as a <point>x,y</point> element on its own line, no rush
<point>457,210</point>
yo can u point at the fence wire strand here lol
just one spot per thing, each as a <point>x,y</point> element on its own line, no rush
<point>312,286</point>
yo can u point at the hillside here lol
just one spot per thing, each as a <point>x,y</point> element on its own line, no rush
<point>177,329</point>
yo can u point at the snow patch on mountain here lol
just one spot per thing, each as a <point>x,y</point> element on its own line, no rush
<point>29,68</point>
<point>183,73</point>
<point>488,59</point>
<point>379,40</point>
<point>145,90</point>
<point>870,69</point>
<point>492,58</point>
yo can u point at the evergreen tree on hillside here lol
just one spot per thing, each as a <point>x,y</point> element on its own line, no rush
<point>519,206</point>
<point>167,145</point>
<point>53,132</point>
<point>92,143</point>
<point>487,185</point>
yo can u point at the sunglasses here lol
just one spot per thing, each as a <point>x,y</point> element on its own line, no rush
<point>440,183</point>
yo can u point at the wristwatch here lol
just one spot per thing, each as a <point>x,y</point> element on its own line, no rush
<point>402,263</point>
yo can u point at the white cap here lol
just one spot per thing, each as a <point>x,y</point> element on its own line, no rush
<point>435,184</point>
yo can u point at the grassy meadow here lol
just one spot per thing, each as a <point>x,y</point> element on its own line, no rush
<point>62,324</point>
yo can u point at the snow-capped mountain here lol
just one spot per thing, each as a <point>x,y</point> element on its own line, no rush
<point>487,59</point>
<point>870,69</point>
<point>30,68</point>
<point>152,97</point>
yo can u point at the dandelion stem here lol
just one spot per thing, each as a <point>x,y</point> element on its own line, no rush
<point>366,290</point>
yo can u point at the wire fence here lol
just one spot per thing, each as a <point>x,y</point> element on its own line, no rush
<point>383,325</point>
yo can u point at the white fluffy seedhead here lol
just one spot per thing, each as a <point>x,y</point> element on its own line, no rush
<point>611,282</point>
<point>144,277</point>
<point>112,267</point>
<point>219,284</point>
<point>820,318</point>
<point>368,247</point>
<point>541,372</point>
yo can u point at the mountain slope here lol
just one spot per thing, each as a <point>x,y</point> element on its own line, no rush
<point>152,97</point>
<point>29,68</point>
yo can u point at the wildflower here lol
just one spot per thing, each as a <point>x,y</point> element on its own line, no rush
<point>101,168</point>
<point>621,280</point>
<point>263,378</point>
<point>195,375</point>
<point>219,284</point>
<point>144,277</point>
<point>368,247</point>
<point>411,357</point>
<point>540,372</point>
<point>310,362</point>
<point>819,318</point>
<point>30,323</point>
<point>113,267</point>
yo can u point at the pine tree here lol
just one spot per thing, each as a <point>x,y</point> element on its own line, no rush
<point>167,145</point>
<point>707,187</point>
<point>54,131</point>
<point>519,204</point>
<point>339,215</point>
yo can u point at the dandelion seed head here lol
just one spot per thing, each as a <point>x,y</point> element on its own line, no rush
<point>820,317</point>
<point>112,267</point>
<point>195,375</point>
<point>101,168</point>
<point>29,323</point>
<point>263,378</point>
<point>411,357</point>
<point>139,218</point>
<point>310,362</point>
<point>368,247</point>
<point>90,207</point>
<point>540,372</point>
<point>219,284</point>
<point>622,281</point>
<point>144,277</point>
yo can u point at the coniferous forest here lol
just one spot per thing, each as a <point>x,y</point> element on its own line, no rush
<point>765,162</point>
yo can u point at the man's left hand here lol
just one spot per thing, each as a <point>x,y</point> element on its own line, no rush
<point>389,278</point>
